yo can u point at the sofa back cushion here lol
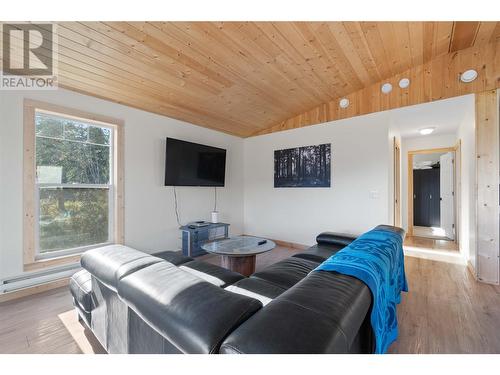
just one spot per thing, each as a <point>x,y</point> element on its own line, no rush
<point>110,263</point>
<point>323,313</point>
<point>194,315</point>
<point>331,238</point>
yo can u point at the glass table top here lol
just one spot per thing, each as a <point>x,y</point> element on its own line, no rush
<point>239,246</point>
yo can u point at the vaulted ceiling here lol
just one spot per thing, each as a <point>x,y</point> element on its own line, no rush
<point>245,77</point>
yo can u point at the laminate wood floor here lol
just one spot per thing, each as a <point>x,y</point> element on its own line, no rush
<point>431,243</point>
<point>446,311</point>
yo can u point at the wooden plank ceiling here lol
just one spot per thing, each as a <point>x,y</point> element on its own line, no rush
<point>244,77</point>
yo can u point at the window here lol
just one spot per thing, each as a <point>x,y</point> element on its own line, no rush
<point>73,180</point>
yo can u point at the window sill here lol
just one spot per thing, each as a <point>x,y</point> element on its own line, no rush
<point>51,262</point>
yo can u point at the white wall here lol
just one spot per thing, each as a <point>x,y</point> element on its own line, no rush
<point>466,133</point>
<point>150,222</point>
<point>361,163</point>
<point>413,144</point>
<point>361,152</point>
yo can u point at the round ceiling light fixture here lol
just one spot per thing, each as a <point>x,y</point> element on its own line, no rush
<point>404,83</point>
<point>468,76</point>
<point>386,88</point>
<point>344,103</point>
<point>426,131</point>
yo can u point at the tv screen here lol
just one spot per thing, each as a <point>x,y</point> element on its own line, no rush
<point>192,164</point>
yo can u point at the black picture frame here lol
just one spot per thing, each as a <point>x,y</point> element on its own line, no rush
<point>307,166</point>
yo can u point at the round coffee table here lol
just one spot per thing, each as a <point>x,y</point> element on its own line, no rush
<point>238,253</point>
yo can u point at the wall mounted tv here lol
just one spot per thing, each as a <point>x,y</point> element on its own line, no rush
<point>192,164</point>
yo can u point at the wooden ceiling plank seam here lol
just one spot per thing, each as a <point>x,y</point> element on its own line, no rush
<point>343,40</point>
<point>443,33</point>
<point>375,45</point>
<point>333,59</point>
<point>321,89</point>
<point>187,97</point>
<point>120,88</point>
<point>267,91</point>
<point>292,49</point>
<point>428,41</point>
<point>256,99</point>
<point>401,34</point>
<point>450,46</point>
<point>360,43</point>
<point>125,72</point>
<point>283,62</point>
<point>88,89</point>
<point>236,35</point>
<point>496,33</point>
<point>329,44</point>
<point>253,77</point>
<point>165,49</point>
<point>262,97</point>
<point>314,60</point>
<point>485,33</point>
<point>425,79</point>
<point>162,62</point>
<point>102,34</point>
<point>165,98</point>
<point>416,33</point>
<point>291,56</point>
<point>286,48</point>
<point>103,53</point>
<point>198,109</point>
<point>223,41</point>
<point>464,34</point>
<point>394,47</point>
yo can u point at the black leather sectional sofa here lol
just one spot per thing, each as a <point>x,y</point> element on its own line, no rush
<point>167,303</point>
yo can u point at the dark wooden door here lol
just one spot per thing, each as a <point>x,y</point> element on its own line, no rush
<point>426,196</point>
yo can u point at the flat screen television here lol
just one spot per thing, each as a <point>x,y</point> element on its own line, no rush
<point>192,164</point>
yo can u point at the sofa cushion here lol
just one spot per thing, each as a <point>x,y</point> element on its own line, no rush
<point>110,263</point>
<point>194,315</point>
<point>256,288</point>
<point>286,273</point>
<point>323,313</point>
<point>174,257</point>
<point>337,239</point>
<point>80,286</point>
<point>212,273</point>
<point>319,253</point>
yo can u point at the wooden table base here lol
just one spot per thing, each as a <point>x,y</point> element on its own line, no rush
<point>244,265</point>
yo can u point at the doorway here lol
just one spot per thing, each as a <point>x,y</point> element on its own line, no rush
<point>432,187</point>
<point>397,183</point>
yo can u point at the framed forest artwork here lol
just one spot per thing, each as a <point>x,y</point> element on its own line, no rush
<point>308,166</point>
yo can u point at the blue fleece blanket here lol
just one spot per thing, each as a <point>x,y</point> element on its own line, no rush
<point>377,259</point>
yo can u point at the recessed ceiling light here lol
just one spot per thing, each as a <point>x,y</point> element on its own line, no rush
<point>404,83</point>
<point>344,103</point>
<point>468,76</point>
<point>426,131</point>
<point>386,88</point>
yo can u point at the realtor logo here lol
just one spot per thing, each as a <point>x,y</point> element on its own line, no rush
<point>28,56</point>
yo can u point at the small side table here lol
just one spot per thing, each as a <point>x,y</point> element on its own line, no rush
<point>239,253</point>
<point>193,238</point>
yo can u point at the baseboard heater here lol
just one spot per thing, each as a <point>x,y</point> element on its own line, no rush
<point>33,279</point>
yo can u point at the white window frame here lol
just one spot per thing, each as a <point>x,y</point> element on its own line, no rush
<point>33,259</point>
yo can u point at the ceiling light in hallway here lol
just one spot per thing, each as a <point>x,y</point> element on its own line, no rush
<point>426,131</point>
